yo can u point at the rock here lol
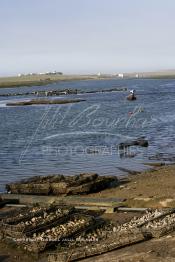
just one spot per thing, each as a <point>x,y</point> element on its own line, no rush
<point>143,142</point>
<point>138,142</point>
<point>131,172</point>
<point>163,157</point>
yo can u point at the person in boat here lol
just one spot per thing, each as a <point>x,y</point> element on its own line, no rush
<point>132,92</point>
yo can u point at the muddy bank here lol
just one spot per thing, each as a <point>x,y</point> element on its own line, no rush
<point>44,102</point>
<point>152,188</point>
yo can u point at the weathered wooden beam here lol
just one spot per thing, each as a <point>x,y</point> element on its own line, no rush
<point>131,209</point>
<point>15,205</point>
<point>108,204</point>
<point>107,210</point>
<point>66,199</point>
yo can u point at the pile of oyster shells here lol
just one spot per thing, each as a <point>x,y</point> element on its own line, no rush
<point>44,218</point>
<point>23,214</point>
<point>92,236</point>
<point>61,231</point>
<point>41,239</point>
<point>111,230</point>
<point>82,229</point>
<point>157,222</point>
<point>138,221</point>
<point>165,222</point>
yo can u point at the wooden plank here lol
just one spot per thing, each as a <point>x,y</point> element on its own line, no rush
<point>67,199</point>
<point>131,209</point>
<point>15,205</point>
<point>108,204</point>
<point>107,210</point>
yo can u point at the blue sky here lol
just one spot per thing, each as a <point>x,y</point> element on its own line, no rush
<point>86,36</point>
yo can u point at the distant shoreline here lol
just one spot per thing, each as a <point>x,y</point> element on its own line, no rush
<point>40,80</point>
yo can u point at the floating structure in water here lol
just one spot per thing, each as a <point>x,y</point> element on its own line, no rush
<point>62,185</point>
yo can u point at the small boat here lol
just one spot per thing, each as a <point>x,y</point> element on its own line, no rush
<point>131,97</point>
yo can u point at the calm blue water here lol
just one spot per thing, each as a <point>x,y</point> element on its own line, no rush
<point>83,137</point>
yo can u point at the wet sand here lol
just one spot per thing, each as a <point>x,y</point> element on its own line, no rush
<point>154,188</point>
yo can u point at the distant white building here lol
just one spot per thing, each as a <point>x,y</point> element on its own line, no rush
<point>99,74</point>
<point>121,75</point>
<point>137,75</point>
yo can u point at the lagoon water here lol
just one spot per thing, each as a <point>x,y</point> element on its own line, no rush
<point>83,137</point>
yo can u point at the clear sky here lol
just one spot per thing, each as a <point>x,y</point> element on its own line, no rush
<point>86,36</point>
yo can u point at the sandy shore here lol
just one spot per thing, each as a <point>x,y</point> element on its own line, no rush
<point>155,188</point>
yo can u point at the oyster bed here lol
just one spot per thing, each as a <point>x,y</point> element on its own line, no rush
<point>34,219</point>
<point>38,242</point>
<point>157,222</point>
<point>160,226</point>
<point>36,228</point>
<point>62,185</point>
<point>78,235</point>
